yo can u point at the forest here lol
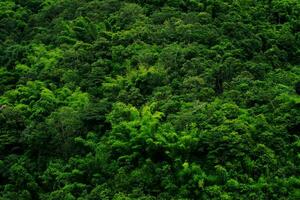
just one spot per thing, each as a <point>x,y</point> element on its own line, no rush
<point>149,99</point>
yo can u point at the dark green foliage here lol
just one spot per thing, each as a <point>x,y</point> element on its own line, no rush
<point>297,88</point>
<point>162,99</point>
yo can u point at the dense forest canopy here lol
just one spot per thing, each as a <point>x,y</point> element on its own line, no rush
<point>140,99</point>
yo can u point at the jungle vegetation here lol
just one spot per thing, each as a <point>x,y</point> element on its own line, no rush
<point>149,99</point>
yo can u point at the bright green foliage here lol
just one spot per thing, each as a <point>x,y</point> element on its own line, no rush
<point>140,99</point>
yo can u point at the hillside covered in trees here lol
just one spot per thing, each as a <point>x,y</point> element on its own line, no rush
<point>149,99</point>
